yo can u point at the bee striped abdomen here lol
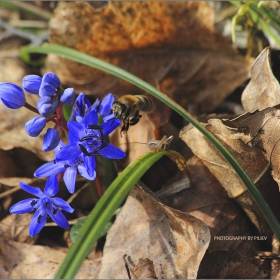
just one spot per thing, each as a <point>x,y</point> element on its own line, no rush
<point>145,104</point>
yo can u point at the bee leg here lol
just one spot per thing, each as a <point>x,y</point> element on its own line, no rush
<point>135,119</point>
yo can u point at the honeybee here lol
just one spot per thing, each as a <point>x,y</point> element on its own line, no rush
<point>128,108</point>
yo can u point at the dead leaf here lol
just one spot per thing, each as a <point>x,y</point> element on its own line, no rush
<point>15,227</point>
<point>145,228</point>
<point>144,269</point>
<point>230,265</point>
<point>20,260</point>
<point>252,161</point>
<point>263,90</point>
<point>260,129</point>
<point>208,201</point>
<point>174,52</point>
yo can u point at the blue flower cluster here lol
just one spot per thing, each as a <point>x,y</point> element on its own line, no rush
<point>87,130</point>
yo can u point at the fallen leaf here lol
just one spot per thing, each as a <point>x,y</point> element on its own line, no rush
<point>20,260</point>
<point>208,201</point>
<point>263,89</point>
<point>145,228</point>
<point>174,52</point>
<point>260,129</point>
<point>15,227</point>
<point>144,269</point>
<point>252,161</point>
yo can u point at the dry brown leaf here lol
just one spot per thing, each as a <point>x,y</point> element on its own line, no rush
<point>20,260</point>
<point>252,161</point>
<point>260,129</point>
<point>207,200</point>
<point>111,32</point>
<point>145,228</point>
<point>15,227</point>
<point>263,90</point>
<point>230,265</point>
<point>144,269</point>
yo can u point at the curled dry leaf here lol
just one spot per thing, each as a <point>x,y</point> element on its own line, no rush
<point>26,261</point>
<point>252,161</point>
<point>172,51</point>
<point>263,90</point>
<point>145,228</point>
<point>260,129</point>
<point>208,201</point>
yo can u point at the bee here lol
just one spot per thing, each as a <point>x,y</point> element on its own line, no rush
<point>128,108</point>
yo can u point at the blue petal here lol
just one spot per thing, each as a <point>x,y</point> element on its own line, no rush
<point>69,178</point>
<point>68,96</point>
<point>90,164</point>
<point>12,95</point>
<point>49,169</point>
<point>106,105</point>
<point>59,146</point>
<point>33,190</point>
<point>36,225</point>
<point>110,126</point>
<point>91,118</point>
<point>35,126</point>
<point>31,83</point>
<point>51,187</point>
<point>83,172</point>
<point>51,139</point>
<point>59,219</point>
<point>76,131</point>
<point>52,79</point>
<point>23,206</point>
<point>47,89</point>
<point>68,152</point>
<point>57,201</point>
<point>112,152</point>
<point>80,106</point>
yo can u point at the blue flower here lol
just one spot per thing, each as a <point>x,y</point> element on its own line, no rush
<point>12,95</point>
<point>31,84</point>
<point>82,106</point>
<point>88,137</point>
<point>81,164</point>
<point>44,207</point>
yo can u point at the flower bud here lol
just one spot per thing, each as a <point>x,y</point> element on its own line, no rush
<point>45,106</point>
<point>12,95</point>
<point>68,96</point>
<point>35,126</point>
<point>47,89</point>
<point>52,79</point>
<point>32,83</point>
<point>51,139</point>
